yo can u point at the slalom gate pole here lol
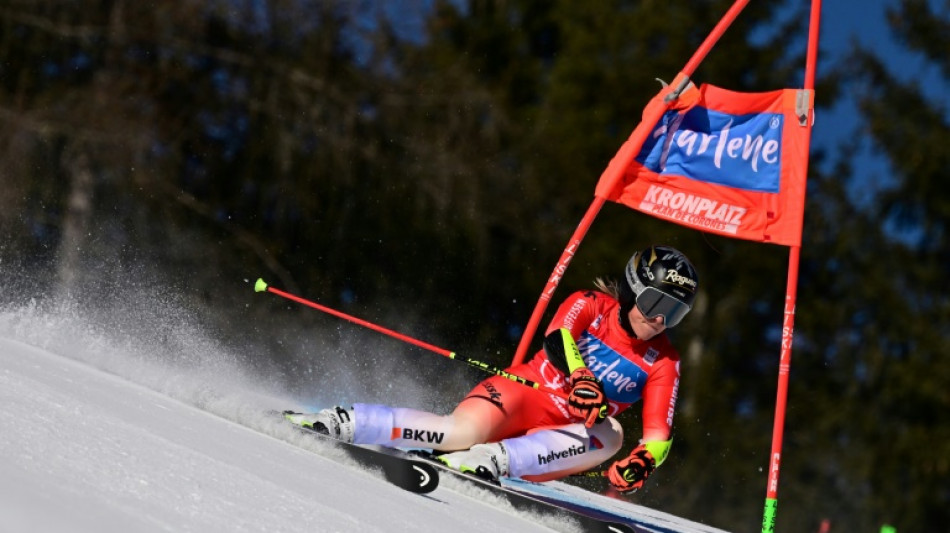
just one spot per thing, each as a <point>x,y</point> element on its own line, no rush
<point>617,168</point>
<point>791,295</point>
<point>262,286</point>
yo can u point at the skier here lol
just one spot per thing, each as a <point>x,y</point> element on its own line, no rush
<point>604,350</point>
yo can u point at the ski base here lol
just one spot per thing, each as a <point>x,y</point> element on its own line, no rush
<point>590,520</point>
<point>405,471</point>
<point>418,471</point>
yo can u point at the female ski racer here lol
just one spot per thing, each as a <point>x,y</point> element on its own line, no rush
<point>604,350</point>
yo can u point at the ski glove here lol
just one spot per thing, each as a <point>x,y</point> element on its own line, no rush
<point>587,399</point>
<point>628,475</point>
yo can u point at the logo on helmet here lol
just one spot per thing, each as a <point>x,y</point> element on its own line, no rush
<point>646,273</point>
<point>672,276</point>
<point>646,263</point>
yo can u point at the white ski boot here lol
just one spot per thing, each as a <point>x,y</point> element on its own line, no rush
<point>335,422</point>
<point>487,461</point>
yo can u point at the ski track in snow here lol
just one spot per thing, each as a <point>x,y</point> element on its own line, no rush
<point>94,439</point>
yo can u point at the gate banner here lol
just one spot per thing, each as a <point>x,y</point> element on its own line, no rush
<point>724,162</point>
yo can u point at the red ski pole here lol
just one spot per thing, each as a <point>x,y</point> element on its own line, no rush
<point>262,286</point>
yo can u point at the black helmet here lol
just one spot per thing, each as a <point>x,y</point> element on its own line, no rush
<point>660,281</point>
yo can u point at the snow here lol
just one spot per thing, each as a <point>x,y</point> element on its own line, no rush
<point>97,437</point>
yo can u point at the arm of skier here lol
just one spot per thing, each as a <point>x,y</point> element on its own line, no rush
<point>659,400</point>
<point>587,400</point>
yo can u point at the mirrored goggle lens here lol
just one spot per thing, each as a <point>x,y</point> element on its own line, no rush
<point>653,303</point>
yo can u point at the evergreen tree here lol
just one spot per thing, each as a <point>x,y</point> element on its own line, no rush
<point>429,182</point>
<point>880,324</point>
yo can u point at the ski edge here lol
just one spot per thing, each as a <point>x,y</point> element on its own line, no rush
<point>528,502</point>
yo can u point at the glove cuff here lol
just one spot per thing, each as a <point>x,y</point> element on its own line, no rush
<point>581,374</point>
<point>658,449</point>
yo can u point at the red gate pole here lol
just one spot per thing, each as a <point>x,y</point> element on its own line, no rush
<point>788,322</point>
<point>615,171</point>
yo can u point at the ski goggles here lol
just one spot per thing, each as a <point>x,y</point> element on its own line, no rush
<point>653,303</point>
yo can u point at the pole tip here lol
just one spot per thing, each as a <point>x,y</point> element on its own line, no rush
<point>260,286</point>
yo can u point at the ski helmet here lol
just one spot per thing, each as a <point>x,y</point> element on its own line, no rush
<point>660,281</point>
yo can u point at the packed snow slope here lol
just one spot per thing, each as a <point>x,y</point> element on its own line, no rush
<point>84,450</point>
<point>96,439</point>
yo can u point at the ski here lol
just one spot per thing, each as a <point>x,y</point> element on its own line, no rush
<point>590,520</point>
<point>399,468</point>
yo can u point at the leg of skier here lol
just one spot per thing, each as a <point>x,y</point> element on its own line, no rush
<point>405,428</point>
<point>479,429</point>
<point>501,428</point>
<point>527,433</point>
<point>495,409</point>
<point>543,454</point>
<point>387,426</point>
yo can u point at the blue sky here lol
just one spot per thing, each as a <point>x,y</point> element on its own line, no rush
<point>843,23</point>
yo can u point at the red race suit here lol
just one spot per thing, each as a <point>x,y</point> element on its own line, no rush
<point>629,369</point>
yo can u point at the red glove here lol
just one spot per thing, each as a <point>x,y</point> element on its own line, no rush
<point>628,475</point>
<point>587,399</point>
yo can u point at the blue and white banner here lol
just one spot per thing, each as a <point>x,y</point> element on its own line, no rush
<point>726,162</point>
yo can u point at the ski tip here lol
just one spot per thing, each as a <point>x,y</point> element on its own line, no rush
<point>427,478</point>
<point>260,286</point>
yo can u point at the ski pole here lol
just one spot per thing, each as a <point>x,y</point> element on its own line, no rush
<point>262,286</point>
<point>590,473</point>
